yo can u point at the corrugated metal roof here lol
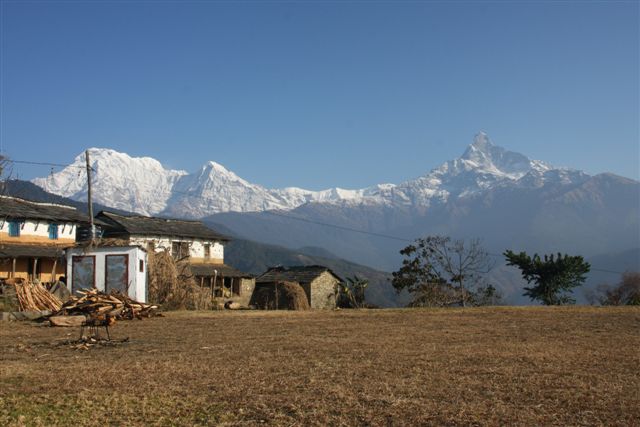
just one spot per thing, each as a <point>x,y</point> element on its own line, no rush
<point>14,208</point>
<point>300,274</point>
<point>117,225</point>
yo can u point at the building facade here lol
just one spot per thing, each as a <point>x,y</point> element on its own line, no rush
<point>108,268</point>
<point>188,241</point>
<point>33,237</point>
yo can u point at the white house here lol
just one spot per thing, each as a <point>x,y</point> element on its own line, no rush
<point>33,237</point>
<point>191,241</point>
<point>182,238</point>
<point>107,268</point>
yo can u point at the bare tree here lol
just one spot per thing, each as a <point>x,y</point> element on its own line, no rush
<point>625,292</point>
<point>440,271</point>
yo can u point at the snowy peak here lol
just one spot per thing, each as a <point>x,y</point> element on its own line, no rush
<point>143,185</point>
<point>486,157</point>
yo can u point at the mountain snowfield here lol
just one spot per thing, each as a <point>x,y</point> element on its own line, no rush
<point>145,186</point>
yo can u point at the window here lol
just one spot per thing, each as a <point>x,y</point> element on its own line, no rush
<point>83,272</point>
<point>207,250</point>
<point>141,267</point>
<point>116,273</point>
<point>179,249</point>
<point>53,231</point>
<point>14,228</point>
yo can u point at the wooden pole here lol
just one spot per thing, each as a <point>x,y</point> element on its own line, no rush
<point>13,268</point>
<point>53,270</point>
<point>89,200</point>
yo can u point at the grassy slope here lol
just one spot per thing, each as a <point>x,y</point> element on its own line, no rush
<point>487,366</point>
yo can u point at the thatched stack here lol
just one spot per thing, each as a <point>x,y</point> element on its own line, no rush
<point>172,284</point>
<point>33,296</point>
<point>294,295</point>
<point>281,296</point>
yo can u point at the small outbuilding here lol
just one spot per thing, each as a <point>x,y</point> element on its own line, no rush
<point>108,267</point>
<point>319,283</point>
<point>225,282</point>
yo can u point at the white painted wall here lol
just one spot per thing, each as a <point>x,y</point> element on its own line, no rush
<point>41,229</point>
<point>137,279</point>
<point>196,246</point>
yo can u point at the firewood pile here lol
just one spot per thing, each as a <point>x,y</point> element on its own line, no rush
<point>93,302</point>
<point>33,296</point>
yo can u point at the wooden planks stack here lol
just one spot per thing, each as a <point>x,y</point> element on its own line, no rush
<point>93,303</point>
<point>33,296</point>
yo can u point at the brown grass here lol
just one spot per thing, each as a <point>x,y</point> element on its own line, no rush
<point>485,366</point>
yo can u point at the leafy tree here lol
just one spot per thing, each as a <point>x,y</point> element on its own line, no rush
<point>554,277</point>
<point>351,293</point>
<point>625,292</point>
<point>439,271</point>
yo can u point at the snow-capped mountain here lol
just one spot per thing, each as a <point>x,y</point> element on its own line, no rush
<point>143,185</point>
<point>137,184</point>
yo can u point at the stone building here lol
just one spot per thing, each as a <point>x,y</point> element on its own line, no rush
<point>33,237</point>
<point>320,284</point>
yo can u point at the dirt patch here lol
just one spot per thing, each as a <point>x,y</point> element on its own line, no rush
<point>485,366</point>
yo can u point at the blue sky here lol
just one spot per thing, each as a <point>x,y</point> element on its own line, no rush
<point>321,94</point>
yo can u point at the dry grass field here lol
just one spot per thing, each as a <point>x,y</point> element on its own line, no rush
<point>487,366</point>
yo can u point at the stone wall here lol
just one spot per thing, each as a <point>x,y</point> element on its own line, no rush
<point>247,285</point>
<point>323,291</point>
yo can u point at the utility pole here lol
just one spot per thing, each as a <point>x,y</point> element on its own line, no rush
<point>89,200</point>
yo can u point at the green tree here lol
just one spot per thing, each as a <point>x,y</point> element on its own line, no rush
<point>440,271</point>
<point>554,277</point>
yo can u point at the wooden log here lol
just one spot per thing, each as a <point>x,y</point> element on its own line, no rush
<point>67,321</point>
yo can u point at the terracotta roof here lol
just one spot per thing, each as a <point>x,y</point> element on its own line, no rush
<point>300,274</point>
<point>14,208</point>
<point>118,225</point>
<point>34,251</point>
<point>207,270</point>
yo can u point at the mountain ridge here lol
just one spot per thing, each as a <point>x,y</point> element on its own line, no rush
<point>143,185</point>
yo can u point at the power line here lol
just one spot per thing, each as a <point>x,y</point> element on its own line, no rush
<point>340,227</point>
<point>25,162</point>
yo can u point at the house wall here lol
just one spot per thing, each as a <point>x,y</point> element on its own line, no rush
<point>196,247</point>
<point>33,231</point>
<point>323,291</point>
<point>137,280</point>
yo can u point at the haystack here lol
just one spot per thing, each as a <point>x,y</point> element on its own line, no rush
<point>281,296</point>
<point>172,285</point>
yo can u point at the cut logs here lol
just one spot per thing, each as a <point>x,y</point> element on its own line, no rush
<point>33,296</point>
<point>92,302</point>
